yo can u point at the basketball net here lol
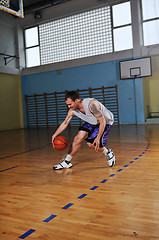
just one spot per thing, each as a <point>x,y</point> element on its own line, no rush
<point>135,76</point>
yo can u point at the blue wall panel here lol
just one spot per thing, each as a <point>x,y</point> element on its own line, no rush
<point>95,75</point>
<point>83,77</point>
<point>126,101</point>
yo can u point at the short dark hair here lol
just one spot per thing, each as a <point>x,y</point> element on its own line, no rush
<point>73,95</point>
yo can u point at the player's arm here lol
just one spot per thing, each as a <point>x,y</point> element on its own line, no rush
<point>63,125</point>
<point>95,108</point>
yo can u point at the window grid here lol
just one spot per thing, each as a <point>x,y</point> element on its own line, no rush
<point>82,35</point>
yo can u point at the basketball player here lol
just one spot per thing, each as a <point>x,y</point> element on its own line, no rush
<point>98,120</point>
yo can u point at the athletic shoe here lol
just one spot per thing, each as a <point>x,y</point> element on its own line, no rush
<point>110,157</point>
<point>63,164</point>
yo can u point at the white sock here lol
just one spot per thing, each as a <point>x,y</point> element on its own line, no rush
<point>68,157</point>
<point>105,151</point>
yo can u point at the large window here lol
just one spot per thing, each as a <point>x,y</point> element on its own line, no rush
<point>82,35</point>
<point>78,36</point>
<point>122,29</point>
<point>150,12</point>
<point>32,47</point>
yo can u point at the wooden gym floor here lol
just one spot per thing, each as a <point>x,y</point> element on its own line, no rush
<point>90,201</point>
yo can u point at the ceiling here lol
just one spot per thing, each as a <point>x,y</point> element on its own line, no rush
<point>31,6</point>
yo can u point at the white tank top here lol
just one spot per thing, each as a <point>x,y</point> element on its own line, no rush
<point>89,117</point>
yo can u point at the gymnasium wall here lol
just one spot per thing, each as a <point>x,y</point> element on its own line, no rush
<point>94,75</point>
<point>11,116</point>
<point>151,87</point>
<point>80,73</point>
<point>8,43</point>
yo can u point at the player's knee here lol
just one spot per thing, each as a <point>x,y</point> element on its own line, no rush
<point>78,139</point>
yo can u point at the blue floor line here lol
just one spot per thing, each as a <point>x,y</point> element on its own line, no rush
<point>8,169</point>
<point>67,206</point>
<point>50,218</point>
<point>70,204</point>
<point>27,234</point>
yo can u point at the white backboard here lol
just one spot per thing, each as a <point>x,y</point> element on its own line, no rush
<point>135,68</point>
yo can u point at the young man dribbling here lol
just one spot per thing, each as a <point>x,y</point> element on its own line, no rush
<point>98,120</point>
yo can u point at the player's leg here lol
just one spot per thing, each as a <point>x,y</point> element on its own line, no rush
<point>66,162</point>
<point>82,135</point>
<point>108,153</point>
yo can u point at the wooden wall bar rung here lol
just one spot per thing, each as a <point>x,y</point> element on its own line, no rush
<point>50,109</point>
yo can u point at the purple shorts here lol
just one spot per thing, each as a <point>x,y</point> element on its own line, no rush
<point>93,132</point>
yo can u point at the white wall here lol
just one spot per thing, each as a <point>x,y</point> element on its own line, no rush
<point>8,42</point>
<point>12,41</point>
<point>77,6</point>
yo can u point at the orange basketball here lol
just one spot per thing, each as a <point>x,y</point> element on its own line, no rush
<point>60,143</point>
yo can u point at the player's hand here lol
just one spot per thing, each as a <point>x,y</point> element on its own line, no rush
<point>96,144</point>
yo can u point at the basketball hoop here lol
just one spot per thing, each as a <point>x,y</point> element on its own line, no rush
<point>135,68</point>
<point>13,7</point>
<point>5,3</point>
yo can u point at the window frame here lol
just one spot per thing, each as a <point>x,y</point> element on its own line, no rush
<point>82,12</point>
<point>144,21</point>
<point>90,56</point>
<point>37,45</point>
<point>121,26</point>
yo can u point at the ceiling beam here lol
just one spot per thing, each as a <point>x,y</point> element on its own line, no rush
<point>42,5</point>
